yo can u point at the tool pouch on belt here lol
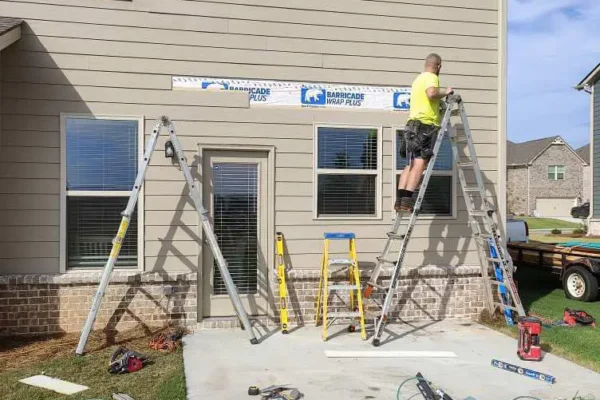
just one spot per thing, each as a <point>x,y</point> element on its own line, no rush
<point>408,138</point>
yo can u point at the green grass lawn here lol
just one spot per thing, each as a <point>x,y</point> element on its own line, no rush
<point>161,380</point>
<point>542,237</point>
<point>542,294</point>
<point>547,223</point>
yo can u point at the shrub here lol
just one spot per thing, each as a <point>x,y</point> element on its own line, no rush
<point>578,231</point>
<point>556,231</point>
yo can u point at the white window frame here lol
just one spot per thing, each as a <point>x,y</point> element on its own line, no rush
<point>396,173</point>
<point>322,171</point>
<point>64,194</point>
<point>555,172</point>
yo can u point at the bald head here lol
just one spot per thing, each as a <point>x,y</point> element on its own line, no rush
<point>433,63</point>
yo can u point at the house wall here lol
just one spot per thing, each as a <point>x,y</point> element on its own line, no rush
<point>596,149</point>
<point>541,187</point>
<point>516,190</point>
<point>102,57</point>
<point>587,183</point>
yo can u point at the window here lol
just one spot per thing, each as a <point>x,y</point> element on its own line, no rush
<point>99,166</point>
<point>440,197</point>
<point>556,172</point>
<point>348,169</point>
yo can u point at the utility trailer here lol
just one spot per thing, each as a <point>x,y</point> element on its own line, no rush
<point>576,264</point>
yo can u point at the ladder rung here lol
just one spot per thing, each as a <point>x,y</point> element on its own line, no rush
<point>478,213</point>
<point>471,189</point>
<point>384,260</point>
<point>342,314</point>
<point>376,286</point>
<point>396,236</point>
<point>493,259</point>
<point>342,287</point>
<point>460,139</point>
<point>465,164</point>
<point>340,261</point>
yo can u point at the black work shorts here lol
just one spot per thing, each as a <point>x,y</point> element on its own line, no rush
<point>417,140</point>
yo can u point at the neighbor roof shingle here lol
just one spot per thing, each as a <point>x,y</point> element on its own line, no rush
<point>7,24</point>
<point>584,152</point>
<point>522,153</point>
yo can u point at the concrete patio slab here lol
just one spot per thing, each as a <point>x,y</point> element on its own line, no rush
<point>221,364</point>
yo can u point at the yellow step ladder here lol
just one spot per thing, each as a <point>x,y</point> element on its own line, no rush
<point>353,287</point>
<point>280,273</point>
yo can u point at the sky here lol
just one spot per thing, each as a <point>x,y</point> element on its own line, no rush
<point>552,46</point>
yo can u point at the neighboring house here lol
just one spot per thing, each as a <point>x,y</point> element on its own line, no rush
<point>289,113</point>
<point>591,85</point>
<point>544,178</point>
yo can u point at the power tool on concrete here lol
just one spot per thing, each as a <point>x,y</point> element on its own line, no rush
<point>275,392</point>
<point>530,348</point>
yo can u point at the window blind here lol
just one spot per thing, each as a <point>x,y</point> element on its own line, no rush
<point>102,155</point>
<point>235,187</point>
<point>347,148</point>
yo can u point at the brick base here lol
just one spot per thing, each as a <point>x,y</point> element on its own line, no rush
<point>34,304</point>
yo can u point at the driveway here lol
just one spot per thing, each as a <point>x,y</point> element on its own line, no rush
<point>221,364</point>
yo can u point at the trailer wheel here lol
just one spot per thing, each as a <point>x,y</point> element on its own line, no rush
<point>580,284</point>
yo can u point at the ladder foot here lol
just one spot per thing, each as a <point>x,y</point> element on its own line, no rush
<point>376,342</point>
<point>254,341</point>
<point>352,328</point>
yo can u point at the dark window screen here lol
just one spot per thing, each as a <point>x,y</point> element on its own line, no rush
<point>92,223</point>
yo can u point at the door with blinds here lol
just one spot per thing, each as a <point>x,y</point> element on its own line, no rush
<point>235,193</point>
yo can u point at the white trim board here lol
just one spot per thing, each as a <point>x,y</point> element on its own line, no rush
<point>54,384</point>
<point>389,354</point>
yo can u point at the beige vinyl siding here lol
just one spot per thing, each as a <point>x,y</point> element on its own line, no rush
<point>117,58</point>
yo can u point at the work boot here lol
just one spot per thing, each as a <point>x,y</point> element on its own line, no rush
<point>404,204</point>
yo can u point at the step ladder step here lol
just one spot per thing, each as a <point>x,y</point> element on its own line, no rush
<point>342,314</point>
<point>460,139</point>
<point>342,287</point>
<point>494,259</point>
<point>395,236</point>
<point>472,189</point>
<point>340,261</point>
<point>465,164</point>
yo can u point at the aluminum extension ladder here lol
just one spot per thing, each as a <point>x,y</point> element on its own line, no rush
<point>202,212</point>
<point>353,287</point>
<point>491,250</point>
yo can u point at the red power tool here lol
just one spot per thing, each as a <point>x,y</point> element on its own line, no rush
<point>530,329</point>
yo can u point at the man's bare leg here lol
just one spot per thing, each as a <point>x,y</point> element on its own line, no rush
<point>409,180</point>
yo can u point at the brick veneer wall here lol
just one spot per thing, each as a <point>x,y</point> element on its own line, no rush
<point>34,304</point>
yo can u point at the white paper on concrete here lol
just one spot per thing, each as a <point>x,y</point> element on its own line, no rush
<point>389,354</point>
<point>54,384</point>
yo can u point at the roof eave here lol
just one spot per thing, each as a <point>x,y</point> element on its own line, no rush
<point>590,78</point>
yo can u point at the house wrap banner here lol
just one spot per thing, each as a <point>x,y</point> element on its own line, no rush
<point>298,94</point>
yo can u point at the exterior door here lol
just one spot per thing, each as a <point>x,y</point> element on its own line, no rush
<point>235,193</point>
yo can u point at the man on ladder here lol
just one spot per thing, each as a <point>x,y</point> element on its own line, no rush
<point>418,139</point>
